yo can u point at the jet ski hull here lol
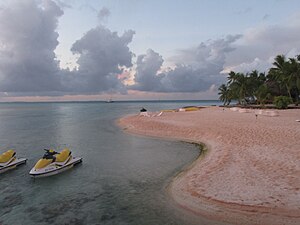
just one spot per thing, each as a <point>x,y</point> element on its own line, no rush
<point>55,168</point>
<point>12,165</point>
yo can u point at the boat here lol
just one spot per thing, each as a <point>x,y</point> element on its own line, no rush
<point>189,108</point>
<point>8,161</point>
<point>54,162</point>
<point>109,101</point>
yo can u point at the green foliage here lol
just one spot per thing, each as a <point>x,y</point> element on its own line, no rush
<point>282,102</point>
<point>262,94</point>
<point>225,94</point>
<point>283,79</point>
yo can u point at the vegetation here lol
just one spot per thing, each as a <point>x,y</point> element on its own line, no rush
<point>280,86</point>
<point>282,102</point>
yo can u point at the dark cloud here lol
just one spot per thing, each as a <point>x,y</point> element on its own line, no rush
<point>27,42</point>
<point>197,69</point>
<point>103,14</point>
<point>147,67</point>
<point>102,54</point>
<point>28,63</point>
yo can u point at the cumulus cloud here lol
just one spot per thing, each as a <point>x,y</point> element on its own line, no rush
<point>259,45</point>
<point>197,69</point>
<point>147,67</point>
<point>256,64</point>
<point>102,54</point>
<point>27,42</point>
<point>28,64</point>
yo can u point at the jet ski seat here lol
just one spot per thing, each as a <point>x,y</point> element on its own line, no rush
<point>43,163</point>
<point>6,156</point>
<point>63,155</point>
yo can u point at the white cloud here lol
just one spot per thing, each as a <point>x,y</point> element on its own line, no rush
<point>198,68</point>
<point>259,45</point>
<point>256,64</point>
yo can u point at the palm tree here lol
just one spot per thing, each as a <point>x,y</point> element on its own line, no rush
<point>225,95</point>
<point>237,86</point>
<point>281,73</point>
<point>240,87</point>
<point>287,74</point>
<point>262,94</point>
<point>254,81</point>
<point>280,60</point>
<point>231,77</point>
<point>283,79</point>
<point>298,72</point>
<point>298,79</point>
<point>293,79</point>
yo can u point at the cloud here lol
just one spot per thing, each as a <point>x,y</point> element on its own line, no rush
<point>63,4</point>
<point>28,64</point>
<point>27,42</point>
<point>197,69</point>
<point>103,14</point>
<point>256,64</point>
<point>102,54</point>
<point>266,17</point>
<point>147,67</point>
<point>259,45</point>
<point>244,11</point>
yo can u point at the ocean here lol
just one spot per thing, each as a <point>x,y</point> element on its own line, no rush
<point>123,178</point>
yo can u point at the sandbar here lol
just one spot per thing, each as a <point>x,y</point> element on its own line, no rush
<point>251,171</point>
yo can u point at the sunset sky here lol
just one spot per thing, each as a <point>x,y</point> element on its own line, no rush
<point>135,49</point>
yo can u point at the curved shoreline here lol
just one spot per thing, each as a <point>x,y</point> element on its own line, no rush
<point>251,173</point>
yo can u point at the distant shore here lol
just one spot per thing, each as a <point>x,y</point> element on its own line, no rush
<point>251,172</point>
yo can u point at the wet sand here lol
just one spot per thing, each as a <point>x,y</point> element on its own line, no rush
<point>251,171</point>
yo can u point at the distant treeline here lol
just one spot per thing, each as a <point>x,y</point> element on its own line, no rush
<point>281,85</point>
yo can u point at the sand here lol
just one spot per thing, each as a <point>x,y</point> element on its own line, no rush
<point>251,171</point>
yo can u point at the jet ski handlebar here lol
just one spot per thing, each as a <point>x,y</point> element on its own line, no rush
<point>48,151</point>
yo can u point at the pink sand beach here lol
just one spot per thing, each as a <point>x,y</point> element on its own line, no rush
<point>250,173</point>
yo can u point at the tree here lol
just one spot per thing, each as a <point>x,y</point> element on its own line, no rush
<point>225,95</point>
<point>293,79</point>
<point>280,73</point>
<point>254,81</point>
<point>262,94</point>
<point>283,79</point>
<point>241,87</point>
<point>232,76</point>
<point>282,102</point>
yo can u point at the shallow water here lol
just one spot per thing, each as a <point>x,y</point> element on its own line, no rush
<point>122,179</point>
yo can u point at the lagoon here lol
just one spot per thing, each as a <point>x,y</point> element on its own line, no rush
<point>122,180</point>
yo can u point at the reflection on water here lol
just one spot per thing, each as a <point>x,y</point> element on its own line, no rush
<point>122,178</point>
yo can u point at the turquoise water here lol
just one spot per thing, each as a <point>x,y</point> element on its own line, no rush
<point>122,179</point>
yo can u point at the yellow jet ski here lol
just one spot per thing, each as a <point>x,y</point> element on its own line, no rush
<point>8,160</point>
<point>54,162</point>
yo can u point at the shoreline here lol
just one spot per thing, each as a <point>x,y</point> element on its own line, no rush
<point>250,174</point>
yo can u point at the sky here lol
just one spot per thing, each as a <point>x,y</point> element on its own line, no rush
<point>72,50</point>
